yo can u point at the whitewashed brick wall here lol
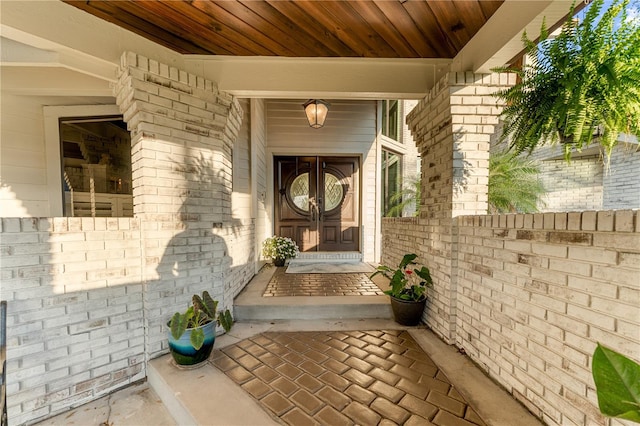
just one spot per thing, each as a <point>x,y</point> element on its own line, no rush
<point>182,135</point>
<point>75,327</point>
<point>585,183</point>
<point>526,296</point>
<point>452,127</point>
<point>88,299</point>
<point>622,184</point>
<point>535,293</point>
<point>572,186</point>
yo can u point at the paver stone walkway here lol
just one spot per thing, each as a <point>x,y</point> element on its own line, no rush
<point>379,377</point>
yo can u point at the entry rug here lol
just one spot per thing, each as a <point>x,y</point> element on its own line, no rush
<point>298,267</point>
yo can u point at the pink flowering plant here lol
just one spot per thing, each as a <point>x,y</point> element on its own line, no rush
<point>406,283</point>
<point>279,248</point>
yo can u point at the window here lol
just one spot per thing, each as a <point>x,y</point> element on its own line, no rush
<point>391,179</point>
<point>391,119</point>
<point>96,167</point>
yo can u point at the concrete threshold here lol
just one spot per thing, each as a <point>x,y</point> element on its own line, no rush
<point>250,305</point>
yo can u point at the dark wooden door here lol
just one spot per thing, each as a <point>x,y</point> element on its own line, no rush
<point>317,202</point>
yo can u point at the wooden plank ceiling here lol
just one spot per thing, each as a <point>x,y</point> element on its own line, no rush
<point>315,28</point>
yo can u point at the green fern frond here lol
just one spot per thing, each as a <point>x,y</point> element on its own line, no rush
<point>586,78</point>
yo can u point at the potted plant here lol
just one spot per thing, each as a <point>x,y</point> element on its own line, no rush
<point>580,86</point>
<point>192,333</point>
<point>279,249</point>
<point>408,297</point>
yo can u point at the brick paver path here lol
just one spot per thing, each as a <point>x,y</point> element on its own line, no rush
<point>348,284</point>
<point>345,378</point>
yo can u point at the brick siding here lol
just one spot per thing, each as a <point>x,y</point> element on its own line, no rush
<point>88,299</point>
<point>527,296</point>
<point>535,293</point>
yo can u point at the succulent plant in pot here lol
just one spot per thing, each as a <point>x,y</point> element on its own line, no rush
<point>408,289</point>
<point>192,333</point>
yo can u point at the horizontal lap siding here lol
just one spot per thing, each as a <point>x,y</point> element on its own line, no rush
<point>24,190</point>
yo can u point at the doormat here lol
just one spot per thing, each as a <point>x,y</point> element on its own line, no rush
<point>334,267</point>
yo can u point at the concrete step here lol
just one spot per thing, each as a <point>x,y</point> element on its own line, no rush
<point>251,306</point>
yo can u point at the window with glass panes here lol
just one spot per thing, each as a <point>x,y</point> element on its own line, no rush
<point>391,119</point>
<point>391,179</point>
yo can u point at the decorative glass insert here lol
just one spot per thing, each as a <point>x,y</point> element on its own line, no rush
<point>333,192</point>
<point>299,192</point>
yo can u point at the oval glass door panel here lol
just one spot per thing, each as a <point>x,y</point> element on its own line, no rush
<point>333,192</point>
<point>299,192</point>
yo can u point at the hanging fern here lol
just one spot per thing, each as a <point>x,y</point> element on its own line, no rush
<point>582,85</point>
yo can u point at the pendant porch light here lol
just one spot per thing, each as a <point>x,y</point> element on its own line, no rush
<point>316,111</point>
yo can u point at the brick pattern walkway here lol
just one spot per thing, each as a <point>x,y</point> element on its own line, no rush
<point>352,284</point>
<point>345,378</point>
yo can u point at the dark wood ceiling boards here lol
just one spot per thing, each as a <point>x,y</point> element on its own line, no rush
<point>313,28</point>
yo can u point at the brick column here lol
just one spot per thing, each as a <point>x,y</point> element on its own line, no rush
<point>452,127</point>
<point>182,134</point>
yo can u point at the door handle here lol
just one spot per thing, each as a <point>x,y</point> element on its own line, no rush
<point>313,208</point>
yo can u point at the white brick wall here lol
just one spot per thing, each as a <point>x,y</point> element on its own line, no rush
<point>572,187</point>
<point>533,311</point>
<point>183,134</point>
<point>533,300</point>
<point>75,326</point>
<point>89,299</point>
<point>526,296</point>
<point>452,127</point>
<point>622,184</point>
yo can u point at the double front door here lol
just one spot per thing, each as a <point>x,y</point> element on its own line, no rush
<point>316,202</point>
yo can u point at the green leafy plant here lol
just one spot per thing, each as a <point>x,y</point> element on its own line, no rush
<point>582,84</point>
<point>402,282</point>
<point>514,184</point>
<point>617,380</point>
<point>202,311</point>
<point>279,248</point>
<point>408,197</point>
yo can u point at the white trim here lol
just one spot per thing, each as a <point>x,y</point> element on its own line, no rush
<point>377,250</point>
<point>500,39</point>
<point>52,115</point>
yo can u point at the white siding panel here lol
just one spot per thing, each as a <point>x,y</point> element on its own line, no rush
<point>22,158</point>
<point>262,207</point>
<point>241,196</point>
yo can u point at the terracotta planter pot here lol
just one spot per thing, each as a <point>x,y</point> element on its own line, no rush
<point>184,353</point>
<point>278,262</point>
<point>407,312</point>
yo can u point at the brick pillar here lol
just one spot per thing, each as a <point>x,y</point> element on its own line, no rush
<point>182,133</point>
<point>452,127</point>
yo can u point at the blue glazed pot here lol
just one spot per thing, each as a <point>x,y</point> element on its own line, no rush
<point>184,353</point>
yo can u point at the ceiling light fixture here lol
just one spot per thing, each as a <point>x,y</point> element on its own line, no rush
<point>316,111</point>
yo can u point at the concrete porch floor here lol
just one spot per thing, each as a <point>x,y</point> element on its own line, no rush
<point>326,371</point>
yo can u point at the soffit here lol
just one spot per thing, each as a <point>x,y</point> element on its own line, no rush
<point>322,29</point>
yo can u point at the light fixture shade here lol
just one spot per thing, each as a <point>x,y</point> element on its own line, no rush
<point>316,111</point>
